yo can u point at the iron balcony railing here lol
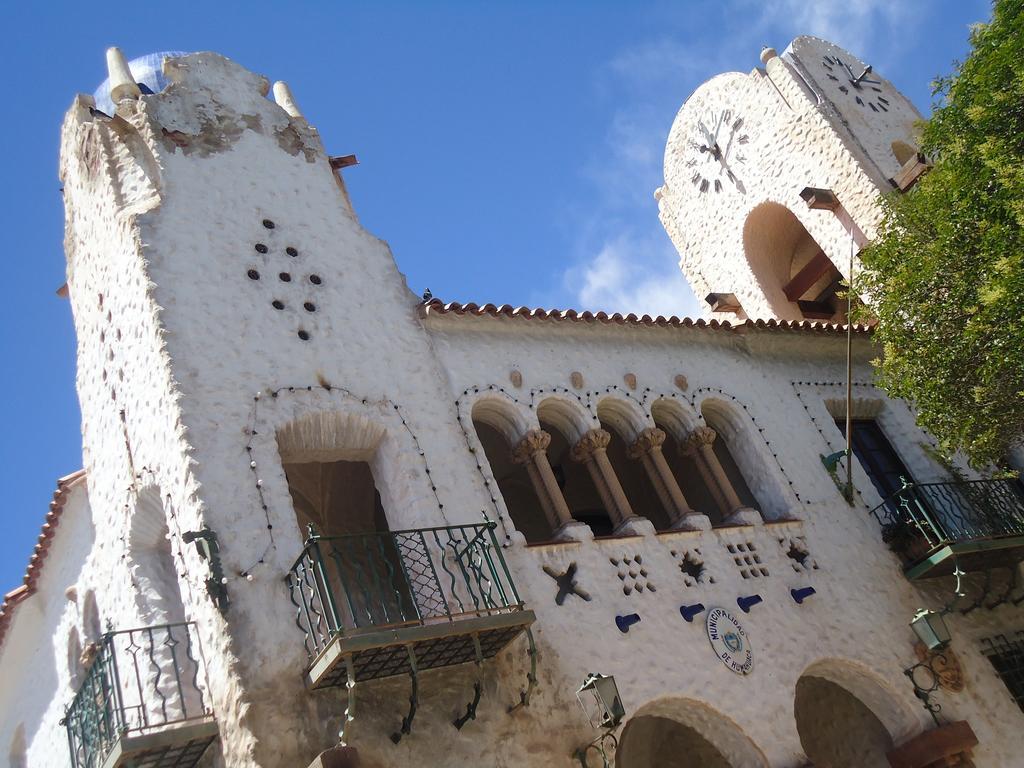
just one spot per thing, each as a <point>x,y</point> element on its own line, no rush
<point>921,517</point>
<point>341,585</point>
<point>140,681</point>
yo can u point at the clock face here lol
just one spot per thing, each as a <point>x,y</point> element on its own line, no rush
<point>855,82</point>
<point>717,151</point>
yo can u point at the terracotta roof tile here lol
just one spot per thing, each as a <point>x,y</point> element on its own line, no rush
<point>35,564</point>
<point>437,307</point>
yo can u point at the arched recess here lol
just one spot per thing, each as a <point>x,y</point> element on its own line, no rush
<point>748,461</point>
<point>796,277</point>
<point>624,423</point>
<point>18,754</point>
<point>157,589</point>
<point>76,670</point>
<point>498,428</point>
<point>91,618</point>
<point>681,733</point>
<point>739,462</point>
<point>677,423</point>
<point>567,422</point>
<point>847,717</point>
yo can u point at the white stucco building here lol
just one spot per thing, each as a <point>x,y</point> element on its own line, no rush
<point>307,492</point>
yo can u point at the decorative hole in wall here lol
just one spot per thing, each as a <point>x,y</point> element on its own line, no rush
<point>272,259</point>
<point>746,558</point>
<point>798,553</point>
<point>633,574</point>
<point>691,565</point>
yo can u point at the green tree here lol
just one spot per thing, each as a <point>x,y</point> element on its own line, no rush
<point>946,274</point>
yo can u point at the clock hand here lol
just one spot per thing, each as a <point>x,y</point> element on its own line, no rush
<point>862,75</point>
<point>847,66</point>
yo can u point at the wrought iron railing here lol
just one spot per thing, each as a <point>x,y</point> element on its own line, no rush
<point>344,584</point>
<point>139,681</point>
<point>923,516</point>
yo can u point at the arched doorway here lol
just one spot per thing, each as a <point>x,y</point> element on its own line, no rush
<point>796,277</point>
<point>845,716</point>
<point>683,733</point>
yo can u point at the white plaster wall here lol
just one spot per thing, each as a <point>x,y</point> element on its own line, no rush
<point>35,682</point>
<point>800,134</point>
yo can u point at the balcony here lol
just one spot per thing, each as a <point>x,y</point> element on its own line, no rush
<point>379,604</point>
<point>976,525</point>
<point>142,703</point>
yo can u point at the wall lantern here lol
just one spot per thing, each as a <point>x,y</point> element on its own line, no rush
<point>931,629</point>
<point>599,697</point>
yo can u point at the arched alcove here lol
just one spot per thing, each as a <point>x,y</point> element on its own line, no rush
<point>514,483</point>
<point>76,670</point>
<point>91,618</point>
<point>736,458</point>
<point>633,478</point>
<point>796,277</point>
<point>157,589</point>
<point>684,733</point>
<point>903,151</point>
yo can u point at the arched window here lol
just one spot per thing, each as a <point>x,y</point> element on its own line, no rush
<point>514,483</point>
<point>796,277</point>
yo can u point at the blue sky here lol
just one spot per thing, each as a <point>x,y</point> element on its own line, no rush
<point>508,151</point>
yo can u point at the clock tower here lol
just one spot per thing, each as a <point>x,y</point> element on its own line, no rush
<point>773,177</point>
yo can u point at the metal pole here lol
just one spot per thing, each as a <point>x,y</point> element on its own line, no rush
<point>849,375</point>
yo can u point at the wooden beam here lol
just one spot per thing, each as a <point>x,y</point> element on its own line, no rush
<point>819,199</point>
<point>343,161</point>
<point>912,170</point>
<point>811,273</point>
<point>723,302</point>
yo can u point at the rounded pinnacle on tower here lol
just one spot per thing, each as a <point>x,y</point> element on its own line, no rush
<point>767,54</point>
<point>122,83</point>
<point>285,100</point>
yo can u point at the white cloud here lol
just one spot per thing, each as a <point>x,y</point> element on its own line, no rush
<point>627,276</point>
<point>856,25</point>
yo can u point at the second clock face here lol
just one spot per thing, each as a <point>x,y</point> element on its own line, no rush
<point>717,151</point>
<point>855,81</point>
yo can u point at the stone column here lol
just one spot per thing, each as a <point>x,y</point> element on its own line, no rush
<point>698,444</point>
<point>591,450</point>
<point>532,451</point>
<point>647,449</point>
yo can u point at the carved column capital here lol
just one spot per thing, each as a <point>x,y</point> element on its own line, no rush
<point>700,437</point>
<point>645,442</point>
<point>535,441</point>
<point>595,440</point>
